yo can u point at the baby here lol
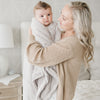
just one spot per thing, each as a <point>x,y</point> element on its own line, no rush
<point>46,32</point>
<point>42,24</point>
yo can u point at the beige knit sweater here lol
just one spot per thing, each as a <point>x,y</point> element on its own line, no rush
<point>66,54</point>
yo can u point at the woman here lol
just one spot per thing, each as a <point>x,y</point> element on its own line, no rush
<point>70,52</point>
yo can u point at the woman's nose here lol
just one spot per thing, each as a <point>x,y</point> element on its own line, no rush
<point>59,18</point>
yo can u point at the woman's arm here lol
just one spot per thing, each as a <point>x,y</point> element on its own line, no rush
<point>56,53</point>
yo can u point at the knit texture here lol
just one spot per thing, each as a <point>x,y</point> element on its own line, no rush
<point>45,80</point>
<point>66,54</point>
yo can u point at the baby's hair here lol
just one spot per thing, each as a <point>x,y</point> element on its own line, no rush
<point>41,5</point>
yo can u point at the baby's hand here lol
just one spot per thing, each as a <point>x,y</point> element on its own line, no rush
<point>30,34</point>
<point>30,31</point>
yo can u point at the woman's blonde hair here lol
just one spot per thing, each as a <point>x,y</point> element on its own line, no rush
<point>83,28</point>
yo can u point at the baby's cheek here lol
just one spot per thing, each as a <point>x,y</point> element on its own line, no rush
<point>41,21</point>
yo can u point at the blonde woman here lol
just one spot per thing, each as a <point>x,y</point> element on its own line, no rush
<point>70,52</point>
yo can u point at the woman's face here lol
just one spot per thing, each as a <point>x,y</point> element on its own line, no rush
<point>66,19</point>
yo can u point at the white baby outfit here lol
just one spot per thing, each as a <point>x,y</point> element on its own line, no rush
<point>45,79</point>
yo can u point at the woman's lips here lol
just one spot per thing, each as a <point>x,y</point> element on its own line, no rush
<point>60,23</point>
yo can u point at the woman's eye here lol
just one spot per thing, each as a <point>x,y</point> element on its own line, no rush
<point>48,14</point>
<point>63,18</point>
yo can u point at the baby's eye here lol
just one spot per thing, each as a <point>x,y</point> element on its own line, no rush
<point>42,16</point>
<point>48,14</point>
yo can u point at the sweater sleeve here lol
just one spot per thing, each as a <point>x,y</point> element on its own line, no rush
<point>54,54</point>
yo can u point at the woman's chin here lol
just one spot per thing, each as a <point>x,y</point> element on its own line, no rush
<point>61,29</point>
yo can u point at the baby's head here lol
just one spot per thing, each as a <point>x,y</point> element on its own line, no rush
<point>43,13</point>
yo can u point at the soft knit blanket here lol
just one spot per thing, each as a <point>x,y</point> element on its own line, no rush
<point>45,80</point>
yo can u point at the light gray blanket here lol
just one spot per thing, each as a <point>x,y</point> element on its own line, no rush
<point>45,79</point>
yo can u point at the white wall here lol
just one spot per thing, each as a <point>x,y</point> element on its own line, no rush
<point>13,12</point>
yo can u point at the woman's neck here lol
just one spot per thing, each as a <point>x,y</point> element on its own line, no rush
<point>68,33</point>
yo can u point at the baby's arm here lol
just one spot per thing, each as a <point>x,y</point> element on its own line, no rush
<point>41,33</point>
<point>57,33</point>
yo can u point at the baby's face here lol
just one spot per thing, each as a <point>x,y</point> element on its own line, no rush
<point>44,16</point>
